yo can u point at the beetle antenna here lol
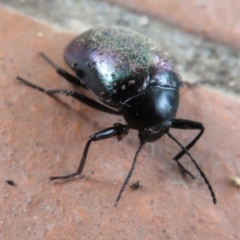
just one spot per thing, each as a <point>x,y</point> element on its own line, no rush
<point>130,172</point>
<point>196,165</point>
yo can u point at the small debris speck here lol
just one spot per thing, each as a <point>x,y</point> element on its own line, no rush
<point>40,34</point>
<point>11,182</point>
<point>123,87</point>
<point>236,181</point>
<point>135,185</point>
<point>131,82</point>
<point>143,21</point>
<point>232,84</point>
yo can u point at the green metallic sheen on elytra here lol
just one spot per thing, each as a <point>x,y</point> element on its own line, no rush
<point>117,63</point>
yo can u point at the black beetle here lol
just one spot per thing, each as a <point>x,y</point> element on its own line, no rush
<point>131,77</point>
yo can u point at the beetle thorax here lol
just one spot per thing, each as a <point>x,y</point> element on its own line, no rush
<point>152,108</point>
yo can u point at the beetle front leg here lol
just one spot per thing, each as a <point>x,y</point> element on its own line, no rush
<point>117,130</point>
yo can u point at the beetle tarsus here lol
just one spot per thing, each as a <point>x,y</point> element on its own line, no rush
<point>31,84</point>
<point>69,176</point>
<point>43,55</point>
<point>184,170</point>
<point>196,165</point>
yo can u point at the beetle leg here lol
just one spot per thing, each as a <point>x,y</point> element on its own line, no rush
<point>116,130</point>
<point>80,97</point>
<point>184,170</point>
<point>130,172</point>
<point>191,125</point>
<point>67,76</point>
<point>196,165</point>
<point>88,101</point>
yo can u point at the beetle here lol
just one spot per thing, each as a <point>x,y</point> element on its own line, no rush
<point>131,77</point>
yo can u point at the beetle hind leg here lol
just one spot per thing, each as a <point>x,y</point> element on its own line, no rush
<point>78,96</point>
<point>67,76</point>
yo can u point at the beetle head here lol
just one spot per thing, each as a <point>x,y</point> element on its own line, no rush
<point>151,111</point>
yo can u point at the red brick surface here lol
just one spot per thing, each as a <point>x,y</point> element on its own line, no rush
<point>40,137</point>
<point>218,20</point>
